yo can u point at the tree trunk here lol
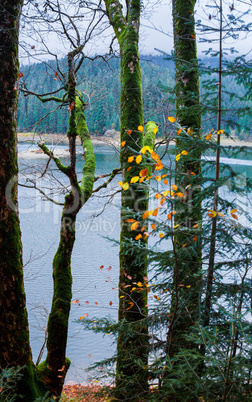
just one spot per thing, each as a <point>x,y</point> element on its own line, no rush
<point>14,334</point>
<point>132,345</point>
<point>187,264</point>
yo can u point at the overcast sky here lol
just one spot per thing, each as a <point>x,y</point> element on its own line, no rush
<point>156,29</point>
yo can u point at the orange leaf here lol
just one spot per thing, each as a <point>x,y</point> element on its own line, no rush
<point>129,132</point>
<point>123,143</point>
<point>153,226</point>
<point>195,238</point>
<point>143,172</point>
<point>140,128</point>
<point>174,187</point>
<point>158,196</point>
<point>130,159</point>
<point>233,211</point>
<point>179,131</point>
<point>130,167</point>
<point>208,136</point>
<point>161,235</point>
<point>165,181</point>
<point>138,236</point>
<point>180,194</point>
<point>145,215</point>
<point>130,220</point>
<point>159,166</point>
<point>155,130</point>
<point>169,216</point>
<point>155,212</point>
<point>235,216</point>
<point>158,178</point>
<point>162,201</point>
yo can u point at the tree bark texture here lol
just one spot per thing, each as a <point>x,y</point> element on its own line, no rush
<point>53,370</point>
<point>187,241</point>
<point>14,334</point>
<point>132,346</point>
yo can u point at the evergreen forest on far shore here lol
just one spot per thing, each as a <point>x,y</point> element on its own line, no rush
<point>100,83</point>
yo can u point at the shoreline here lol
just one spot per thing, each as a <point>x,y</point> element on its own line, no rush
<point>60,139</point>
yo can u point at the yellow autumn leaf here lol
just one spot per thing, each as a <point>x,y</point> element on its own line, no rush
<point>178,157</point>
<point>212,214</point>
<point>174,187</point>
<point>158,178</point>
<point>179,131</point>
<point>233,211</point>
<point>171,119</point>
<point>176,226</point>
<point>190,131</point>
<point>139,284</point>
<point>125,186</point>
<point>120,183</point>
<point>161,235</point>
<point>208,136</point>
<point>164,175</point>
<point>134,226</point>
<point>188,286</point>
<point>140,128</point>
<point>123,143</point>
<point>138,236</point>
<point>184,152</point>
<point>179,194</point>
<point>131,158</point>
<point>141,180</point>
<point>195,226</point>
<point>134,179</point>
<point>220,131</point>
<point>138,159</point>
<point>155,130</point>
<point>146,148</point>
<point>220,213</point>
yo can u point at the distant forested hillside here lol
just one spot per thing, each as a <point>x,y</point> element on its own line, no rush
<point>100,84</point>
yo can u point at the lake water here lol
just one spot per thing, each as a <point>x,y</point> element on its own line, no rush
<point>93,287</point>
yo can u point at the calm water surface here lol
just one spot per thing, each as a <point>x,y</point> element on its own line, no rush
<point>40,225</point>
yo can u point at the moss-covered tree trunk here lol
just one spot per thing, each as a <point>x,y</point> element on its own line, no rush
<point>187,241</point>
<point>132,346</point>
<point>14,335</point>
<point>53,370</point>
<point>48,377</point>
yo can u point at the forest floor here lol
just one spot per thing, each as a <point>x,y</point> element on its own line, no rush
<point>88,393</point>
